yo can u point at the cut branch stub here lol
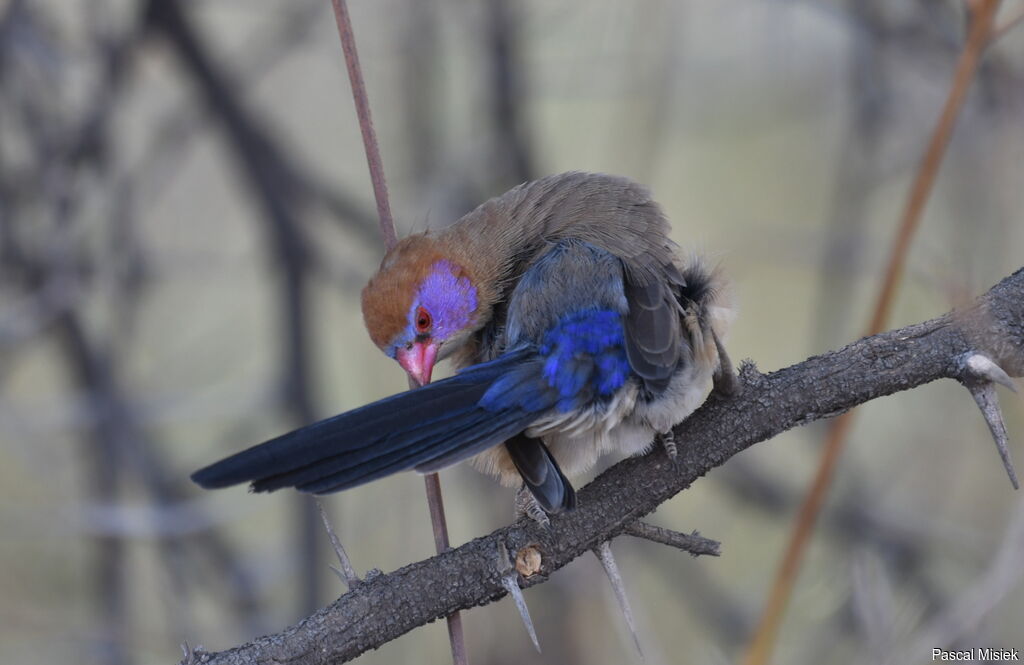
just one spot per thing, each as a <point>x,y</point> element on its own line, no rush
<point>528,561</point>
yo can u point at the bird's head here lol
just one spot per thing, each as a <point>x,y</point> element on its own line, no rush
<point>421,305</point>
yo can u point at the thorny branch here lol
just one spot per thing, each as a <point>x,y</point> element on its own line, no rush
<point>390,605</point>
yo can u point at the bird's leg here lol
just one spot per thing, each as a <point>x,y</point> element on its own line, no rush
<point>526,504</point>
<point>611,569</point>
<point>668,441</point>
<point>725,380</point>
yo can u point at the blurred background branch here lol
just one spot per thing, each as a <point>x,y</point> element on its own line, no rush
<point>981,22</point>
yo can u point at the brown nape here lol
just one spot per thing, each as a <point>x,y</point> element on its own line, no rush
<point>389,294</point>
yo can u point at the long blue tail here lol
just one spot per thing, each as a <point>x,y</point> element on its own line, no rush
<point>437,425</point>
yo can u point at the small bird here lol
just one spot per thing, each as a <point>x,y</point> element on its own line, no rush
<point>578,329</point>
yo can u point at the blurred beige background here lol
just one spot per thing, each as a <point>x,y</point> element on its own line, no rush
<point>186,222</point>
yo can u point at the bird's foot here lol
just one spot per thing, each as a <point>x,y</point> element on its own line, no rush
<point>667,440</point>
<point>526,504</point>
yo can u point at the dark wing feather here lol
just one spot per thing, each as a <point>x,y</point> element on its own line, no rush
<point>541,473</point>
<point>474,434</point>
<point>653,331</point>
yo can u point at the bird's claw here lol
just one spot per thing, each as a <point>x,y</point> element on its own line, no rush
<point>526,504</point>
<point>668,442</point>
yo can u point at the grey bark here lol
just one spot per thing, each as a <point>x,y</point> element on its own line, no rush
<point>387,606</point>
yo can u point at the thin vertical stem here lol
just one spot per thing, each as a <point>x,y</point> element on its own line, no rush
<point>359,96</point>
<point>387,229</point>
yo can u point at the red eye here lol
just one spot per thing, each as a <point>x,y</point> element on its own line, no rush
<point>423,320</point>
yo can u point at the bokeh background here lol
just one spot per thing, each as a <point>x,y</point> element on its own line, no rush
<point>186,222</point>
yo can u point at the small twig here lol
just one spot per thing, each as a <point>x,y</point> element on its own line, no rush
<point>347,572</point>
<point>763,641</point>
<point>359,96</point>
<point>694,543</point>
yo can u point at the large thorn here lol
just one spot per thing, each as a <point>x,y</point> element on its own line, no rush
<point>611,569</point>
<point>984,394</point>
<point>981,374</point>
<point>347,574</point>
<point>510,581</point>
<point>982,368</point>
<point>694,543</point>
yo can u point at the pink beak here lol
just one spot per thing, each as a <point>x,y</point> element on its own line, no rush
<point>418,361</point>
